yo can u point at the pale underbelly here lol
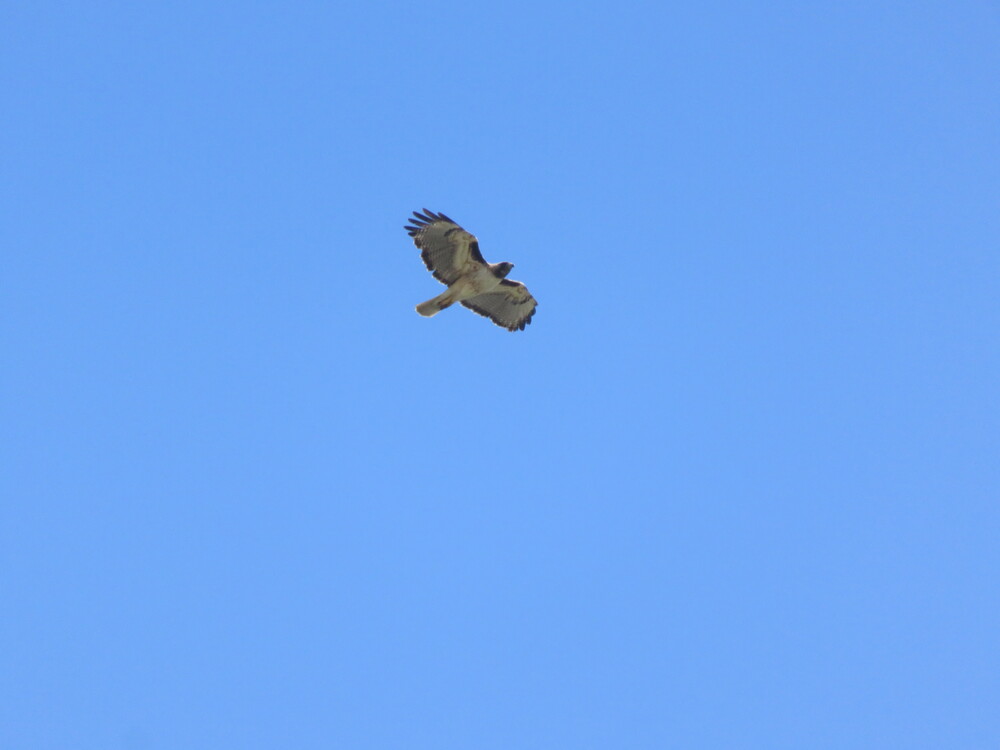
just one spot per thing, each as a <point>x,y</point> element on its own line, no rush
<point>475,285</point>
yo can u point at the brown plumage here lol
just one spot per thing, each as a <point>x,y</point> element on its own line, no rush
<point>452,255</point>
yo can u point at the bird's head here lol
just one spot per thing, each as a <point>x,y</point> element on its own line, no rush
<point>502,269</point>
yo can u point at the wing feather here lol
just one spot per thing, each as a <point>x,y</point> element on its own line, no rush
<point>510,305</point>
<point>448,251</point>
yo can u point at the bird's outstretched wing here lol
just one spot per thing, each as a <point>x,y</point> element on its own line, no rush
<point>449,252</point>
<point>510,305</point>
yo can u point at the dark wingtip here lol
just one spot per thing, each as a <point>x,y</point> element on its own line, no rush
<point>429,217</point>
<point>419,222</point>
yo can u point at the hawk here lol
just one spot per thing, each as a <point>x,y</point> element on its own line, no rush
<point>452,255</point>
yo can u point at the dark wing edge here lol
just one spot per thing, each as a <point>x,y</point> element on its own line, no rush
<point>502,306</point>
<point>421,222</point>
<point>424,220</point>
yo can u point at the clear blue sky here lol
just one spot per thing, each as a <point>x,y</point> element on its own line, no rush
<point>735,487</point>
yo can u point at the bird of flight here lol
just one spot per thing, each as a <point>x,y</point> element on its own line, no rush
<point>452,255</point>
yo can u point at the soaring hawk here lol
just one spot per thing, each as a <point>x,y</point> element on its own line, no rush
<point>452,255</point>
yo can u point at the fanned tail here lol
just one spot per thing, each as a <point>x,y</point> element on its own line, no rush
<point>432,307</point>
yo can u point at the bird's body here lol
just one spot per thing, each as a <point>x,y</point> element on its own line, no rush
<point>452,255</point>
<point>482,280</point>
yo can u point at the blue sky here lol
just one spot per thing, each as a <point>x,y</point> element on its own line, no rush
<point>736,486</point>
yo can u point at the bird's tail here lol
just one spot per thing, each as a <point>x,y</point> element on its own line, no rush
<point>432,307</point>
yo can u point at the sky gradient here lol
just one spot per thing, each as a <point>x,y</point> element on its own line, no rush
<point>736,486</point>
